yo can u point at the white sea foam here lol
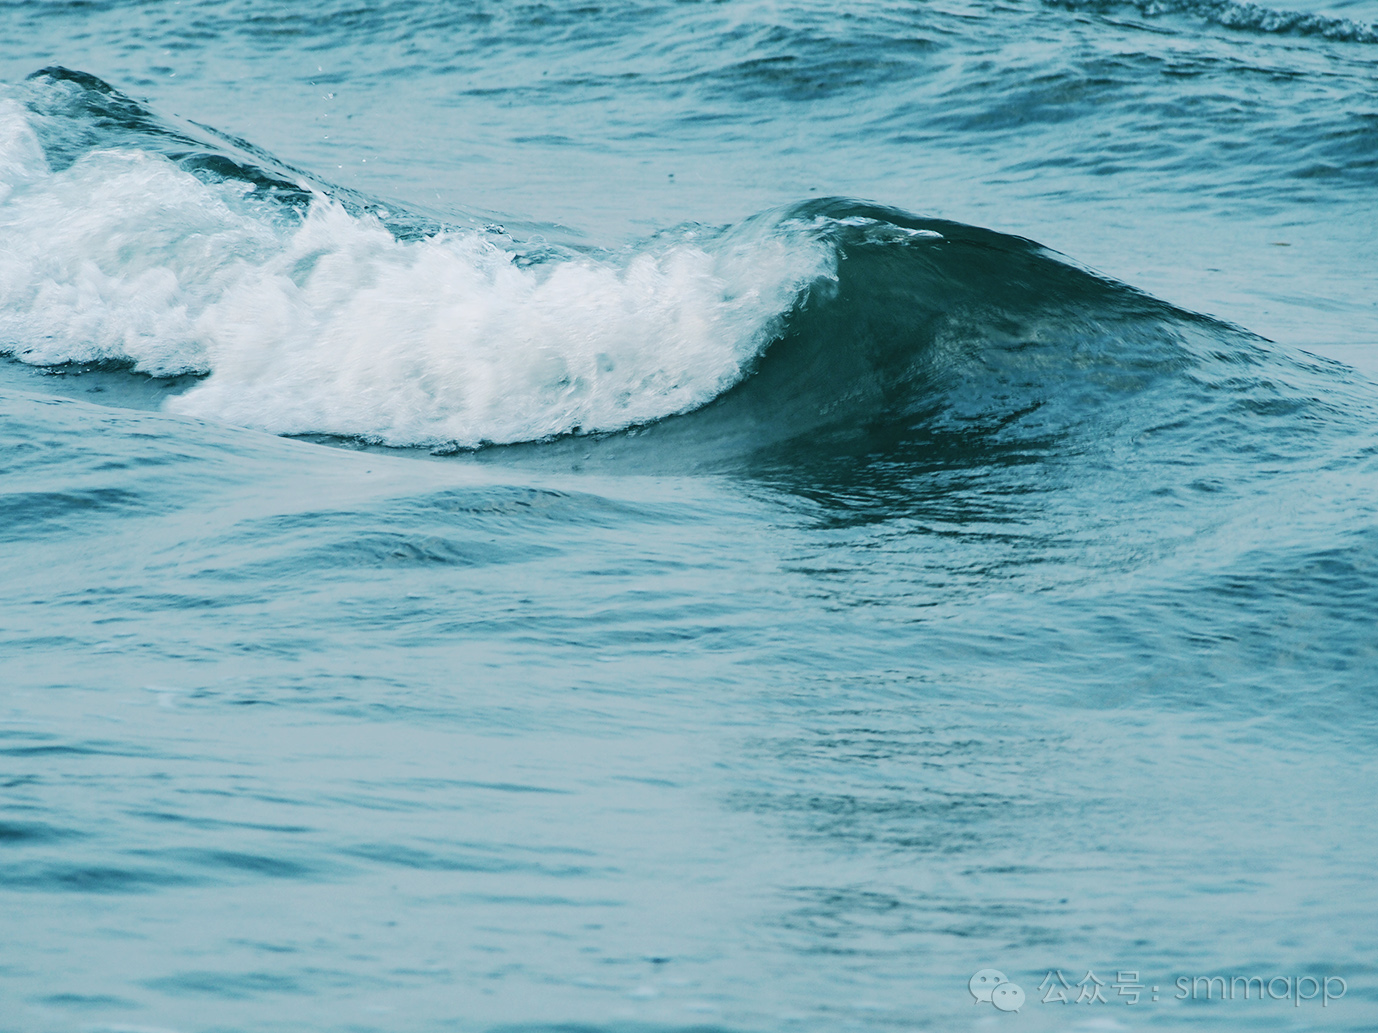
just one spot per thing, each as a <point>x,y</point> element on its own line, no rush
<point>331,325</point>
<point>21,157</point>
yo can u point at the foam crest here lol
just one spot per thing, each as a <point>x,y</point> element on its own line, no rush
<point>329,324</point>
<point>114,258</point>
<point>349,331</point>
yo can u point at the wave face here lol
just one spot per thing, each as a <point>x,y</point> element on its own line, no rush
<point>308,314</point>
<point>170,250</point>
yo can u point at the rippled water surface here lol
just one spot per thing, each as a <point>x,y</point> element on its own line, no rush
<point>666,516</point>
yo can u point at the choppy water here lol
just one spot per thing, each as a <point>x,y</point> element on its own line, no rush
<point>498,536</point>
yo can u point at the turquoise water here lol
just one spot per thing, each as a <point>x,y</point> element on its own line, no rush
<point>602,517</point>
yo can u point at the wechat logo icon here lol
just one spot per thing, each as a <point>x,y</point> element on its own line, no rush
<point>991,987</point>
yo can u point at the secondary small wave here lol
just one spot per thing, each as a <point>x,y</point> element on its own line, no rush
<point>1243,16</point>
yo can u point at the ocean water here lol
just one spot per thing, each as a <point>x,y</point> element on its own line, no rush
<point>651,516</point>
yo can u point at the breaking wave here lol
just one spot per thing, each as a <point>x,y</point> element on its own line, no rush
<point>308,314</point>
<point>133,241</point>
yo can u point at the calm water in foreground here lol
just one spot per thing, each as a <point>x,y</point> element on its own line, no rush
<point>600,516</point>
